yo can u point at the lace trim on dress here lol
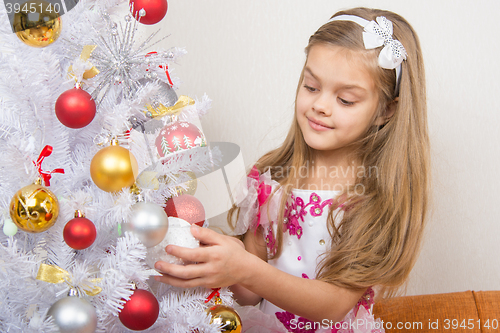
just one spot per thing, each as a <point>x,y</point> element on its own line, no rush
<point>252,195</point>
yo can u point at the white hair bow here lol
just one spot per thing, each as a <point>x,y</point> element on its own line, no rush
<point>378,34</point>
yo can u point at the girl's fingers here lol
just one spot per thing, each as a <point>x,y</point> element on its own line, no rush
<point>186,272</point>
<point>188,276</point>
<point>214,261</point>
<point>176,282</point>
<point>194,255</point>
<point>206,236</point>
<point>207,239</point>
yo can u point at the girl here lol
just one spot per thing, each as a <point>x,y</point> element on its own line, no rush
<point>317,242</point>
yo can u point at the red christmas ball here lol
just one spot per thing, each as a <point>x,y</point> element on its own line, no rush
<point>179,136</point>
<point>155,10</point>
<point>79,233</point>
<point>141,311</point>
<point>75,108</point>
<point>186,207</point>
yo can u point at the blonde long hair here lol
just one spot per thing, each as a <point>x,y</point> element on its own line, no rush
<point>378,238</point>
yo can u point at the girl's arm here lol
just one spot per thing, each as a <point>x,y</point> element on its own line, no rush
<point>255,244</point>
<point>222,261</point>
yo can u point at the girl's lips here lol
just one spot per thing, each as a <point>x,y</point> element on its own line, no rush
<point>315,125</point>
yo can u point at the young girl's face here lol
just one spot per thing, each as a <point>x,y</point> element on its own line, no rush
<point>337,100</point>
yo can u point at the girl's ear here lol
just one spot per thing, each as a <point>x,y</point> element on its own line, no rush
<point>389,112</point>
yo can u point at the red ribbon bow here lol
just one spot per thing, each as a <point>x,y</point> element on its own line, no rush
<point>166,68</point>
<point>46,151</point>
<point>215,293</point>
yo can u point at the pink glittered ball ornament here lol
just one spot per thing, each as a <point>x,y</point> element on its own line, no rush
<point>186,207</point>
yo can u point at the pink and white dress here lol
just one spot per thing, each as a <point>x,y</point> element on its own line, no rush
<point>305,239</point>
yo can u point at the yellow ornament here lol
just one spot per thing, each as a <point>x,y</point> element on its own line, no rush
<point>228,320</point>
<point>113,168</point>
<point>37,23</point>
<point>148,179</point>
<point>34,208</point>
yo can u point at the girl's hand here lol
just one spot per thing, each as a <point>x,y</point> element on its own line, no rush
<point>220,262</point>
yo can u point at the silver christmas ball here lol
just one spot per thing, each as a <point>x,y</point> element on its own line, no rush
<point>166,94</point>
<point>148,222</point>
<point>151,125</point>
<point>74,315</point>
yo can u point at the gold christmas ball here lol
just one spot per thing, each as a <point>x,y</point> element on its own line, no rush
<point>113,168</point>
<point>34,208</point>
<point>37,23</point>
<point>227,318</point>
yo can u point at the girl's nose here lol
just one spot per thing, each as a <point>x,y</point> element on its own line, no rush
<point>323,105</point>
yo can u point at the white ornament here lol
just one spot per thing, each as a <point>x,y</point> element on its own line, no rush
<point>148,179</point>
<point>9,227</point>
<point>179,233</point>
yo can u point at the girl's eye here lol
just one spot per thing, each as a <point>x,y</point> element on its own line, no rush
<point>309,88</point>
<point>345,102</point>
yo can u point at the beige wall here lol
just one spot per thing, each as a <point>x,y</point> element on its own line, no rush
<point>247,55</point>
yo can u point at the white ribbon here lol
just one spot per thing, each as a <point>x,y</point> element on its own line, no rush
<point>378,34</point>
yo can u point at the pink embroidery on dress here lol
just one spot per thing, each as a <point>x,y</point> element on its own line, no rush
<point>367,299</point>
<point>301,325</point>
<point>295,210</point>
<point>363,315</point>
<point>270,240</point>
<point>317,207</point>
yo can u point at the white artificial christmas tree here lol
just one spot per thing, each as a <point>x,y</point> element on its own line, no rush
<point>134,96</point>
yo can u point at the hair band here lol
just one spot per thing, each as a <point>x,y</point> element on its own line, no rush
<point>378,34</point>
